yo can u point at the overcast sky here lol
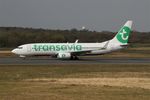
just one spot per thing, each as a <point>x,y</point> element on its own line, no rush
<point>96,15</point>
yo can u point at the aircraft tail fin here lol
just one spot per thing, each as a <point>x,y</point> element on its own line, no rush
<point>122,36</point>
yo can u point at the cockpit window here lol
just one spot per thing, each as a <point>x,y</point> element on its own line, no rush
<point>20,47</point>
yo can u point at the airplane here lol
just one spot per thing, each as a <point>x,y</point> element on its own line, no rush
<point>73,50</point>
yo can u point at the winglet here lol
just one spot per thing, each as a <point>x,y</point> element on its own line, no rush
<point>76,41</point>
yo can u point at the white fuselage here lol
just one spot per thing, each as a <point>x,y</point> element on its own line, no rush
<point>36,49</point>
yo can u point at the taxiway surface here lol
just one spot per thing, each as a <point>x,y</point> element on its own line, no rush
<point>83,60</point>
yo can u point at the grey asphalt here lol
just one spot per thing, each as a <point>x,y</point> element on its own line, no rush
<point>83,60</point>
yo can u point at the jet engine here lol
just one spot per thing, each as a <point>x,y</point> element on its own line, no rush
<point>64,55</point>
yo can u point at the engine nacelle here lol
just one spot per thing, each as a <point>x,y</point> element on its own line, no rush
<point>64,55</point>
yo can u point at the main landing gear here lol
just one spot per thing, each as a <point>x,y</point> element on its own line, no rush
<point>74,58</point>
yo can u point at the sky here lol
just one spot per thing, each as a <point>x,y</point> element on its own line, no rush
<point>98,15</point>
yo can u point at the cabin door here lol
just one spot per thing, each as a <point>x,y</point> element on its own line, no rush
<point>28,48</point>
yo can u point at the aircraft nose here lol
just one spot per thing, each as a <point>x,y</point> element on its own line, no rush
<point>14,51</point>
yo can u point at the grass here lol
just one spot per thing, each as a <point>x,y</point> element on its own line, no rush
<point>47,91</point>
<point>6,53</point>
<point>17,72</point>
<point>72,82</point>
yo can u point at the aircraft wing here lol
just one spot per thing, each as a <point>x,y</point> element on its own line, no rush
<point>83,52</point>
<point>80,52</point>
<point>88,51</point>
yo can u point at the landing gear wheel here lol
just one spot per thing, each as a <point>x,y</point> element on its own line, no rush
<point>74,58</point>
<point>71,58</point>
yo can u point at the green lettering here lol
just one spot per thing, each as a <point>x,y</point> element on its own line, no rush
<point>45,48</point>
<point>58,48</point>
<point>63,47</point>
<point>70,47</point>
<point>40,47</point>
<point>52,48</point>
<point>78,47</point>
<point>35,47</point>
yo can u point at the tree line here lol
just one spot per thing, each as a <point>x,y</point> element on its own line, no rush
<point>14,36</point>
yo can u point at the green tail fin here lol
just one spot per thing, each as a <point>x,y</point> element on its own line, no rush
<point>122,36</point>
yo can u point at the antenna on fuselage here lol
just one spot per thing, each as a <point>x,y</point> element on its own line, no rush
<point>76,41</point>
